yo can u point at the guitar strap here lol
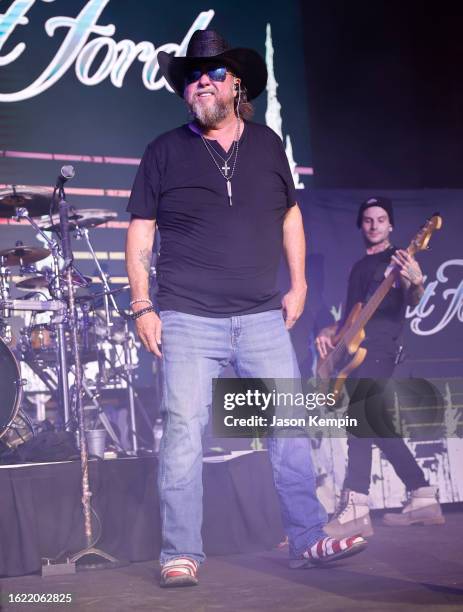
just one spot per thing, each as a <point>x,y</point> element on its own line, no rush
<point>377,278</point>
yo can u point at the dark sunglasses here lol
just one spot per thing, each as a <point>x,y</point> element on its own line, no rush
<point>215,74</point>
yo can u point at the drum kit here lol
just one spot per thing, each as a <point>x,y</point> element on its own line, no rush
<point>70,329</point>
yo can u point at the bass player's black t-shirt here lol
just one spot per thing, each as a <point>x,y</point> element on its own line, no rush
<point>216,260</point>
<point>385,327</point>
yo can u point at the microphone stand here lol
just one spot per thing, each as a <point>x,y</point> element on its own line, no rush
<point>89,551</point>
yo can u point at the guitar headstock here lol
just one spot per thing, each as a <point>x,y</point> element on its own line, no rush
<point>421,240</point>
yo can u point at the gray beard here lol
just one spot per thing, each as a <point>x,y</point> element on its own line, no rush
<point>210,117</point>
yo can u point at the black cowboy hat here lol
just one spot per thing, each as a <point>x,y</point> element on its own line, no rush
<point>206,47</point>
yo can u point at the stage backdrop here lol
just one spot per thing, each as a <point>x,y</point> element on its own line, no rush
<point>80,84</point>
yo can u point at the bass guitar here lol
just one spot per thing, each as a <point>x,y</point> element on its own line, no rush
<point>348,354</point>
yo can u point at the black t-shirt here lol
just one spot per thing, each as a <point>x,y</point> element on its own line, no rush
<point>385,327</point>
<point>216,260</point>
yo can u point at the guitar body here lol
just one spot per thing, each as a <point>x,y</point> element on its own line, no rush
<point>338,363</point>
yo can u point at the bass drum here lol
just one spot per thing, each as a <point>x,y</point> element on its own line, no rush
<point>10,388</point>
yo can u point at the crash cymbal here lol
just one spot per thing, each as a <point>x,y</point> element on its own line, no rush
<point>84,217</point>
<point>36,199</point>
<point>36,283</point>
<point>21,255</point>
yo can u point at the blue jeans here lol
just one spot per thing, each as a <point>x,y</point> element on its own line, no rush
<point>196,350</point>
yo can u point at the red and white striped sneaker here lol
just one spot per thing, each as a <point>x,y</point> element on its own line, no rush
<point>329,549</point>
<point>181,571</point>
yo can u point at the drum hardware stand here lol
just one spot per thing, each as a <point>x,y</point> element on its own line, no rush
<point>82,232</point>
<point>125,373</point>
<point>43,375</point>
<point>85,307</point>
<point>6,333</point>
<point>4,289</point>
<point>108,297</point>
<point>141,408</point>
<point>93,397</point>
<point>51,385</point>
<point>128,345</point>
<point>59,318</point>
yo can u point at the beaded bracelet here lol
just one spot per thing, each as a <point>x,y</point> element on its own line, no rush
<point>139,300</point>
<point>143,311</point>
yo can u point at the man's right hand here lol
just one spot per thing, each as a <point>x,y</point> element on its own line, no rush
<point>149,330</point>
<point>323,341</point>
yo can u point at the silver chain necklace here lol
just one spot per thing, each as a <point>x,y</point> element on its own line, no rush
<point>225,168</point>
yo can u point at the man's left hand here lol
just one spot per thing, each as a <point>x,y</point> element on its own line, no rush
<point>293,305</point>
<point>408,267</point>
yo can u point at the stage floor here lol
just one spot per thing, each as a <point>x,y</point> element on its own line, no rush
<point>410,569</point>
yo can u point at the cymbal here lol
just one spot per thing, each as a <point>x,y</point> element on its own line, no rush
<point>36,282</point>
<point>83,217</point>
<point>21,255</point>
<point>36,199</point>
<point>40,281</point>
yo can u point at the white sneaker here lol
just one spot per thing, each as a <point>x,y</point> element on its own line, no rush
<point>351,518</point>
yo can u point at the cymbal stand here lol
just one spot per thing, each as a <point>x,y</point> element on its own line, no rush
<point>108,297</point>
<point>5,328</point>
<point>59,319</point>
<point>82,232</point>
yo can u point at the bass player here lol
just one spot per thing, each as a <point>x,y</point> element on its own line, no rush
<point>376,220</point>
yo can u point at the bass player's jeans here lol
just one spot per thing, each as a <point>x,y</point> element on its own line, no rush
<point>196,350</point>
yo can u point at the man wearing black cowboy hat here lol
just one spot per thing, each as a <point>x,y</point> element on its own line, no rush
<point>221,192</point>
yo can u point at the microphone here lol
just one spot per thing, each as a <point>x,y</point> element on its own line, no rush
<point>66,173</point>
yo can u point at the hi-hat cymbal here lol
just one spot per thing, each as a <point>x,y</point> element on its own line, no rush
<point>36,199</point>
<point>84,217</point>
<point>40,281</point>
<point>22,255</point>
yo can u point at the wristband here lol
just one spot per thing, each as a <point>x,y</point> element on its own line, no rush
<point>139,300</point>
<point>143,311</point>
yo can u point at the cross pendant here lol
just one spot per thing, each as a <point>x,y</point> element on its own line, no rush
<point>226,168</point>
